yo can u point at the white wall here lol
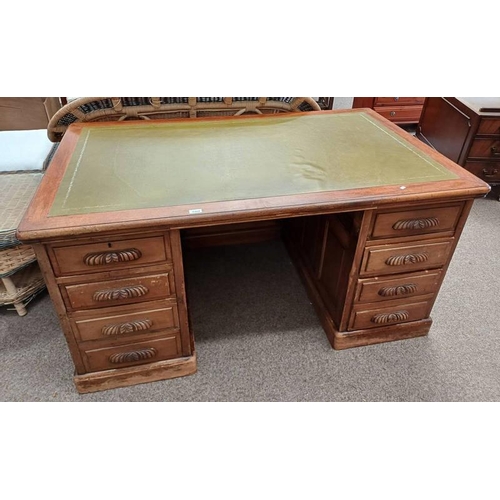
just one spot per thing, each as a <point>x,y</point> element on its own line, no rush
<point>342,102</point>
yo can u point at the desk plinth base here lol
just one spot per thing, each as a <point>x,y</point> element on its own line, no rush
<point>134,375</point>
<point>358,338</point>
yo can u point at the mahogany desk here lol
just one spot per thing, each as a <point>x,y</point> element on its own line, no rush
<point>371,217</point>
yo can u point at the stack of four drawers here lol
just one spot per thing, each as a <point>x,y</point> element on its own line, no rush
<point>120,298</point>
<point>403,264</point>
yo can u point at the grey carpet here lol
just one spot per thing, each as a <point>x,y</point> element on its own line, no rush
<point>258,338</point>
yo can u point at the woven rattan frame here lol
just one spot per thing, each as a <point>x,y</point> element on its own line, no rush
<point>89,109</point>
<point>15,258</point>
<point>20,276</point>
<point>22,286</point>
<point>16,191</point>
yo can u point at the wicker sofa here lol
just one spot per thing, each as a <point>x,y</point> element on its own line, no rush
<point>88,109</point>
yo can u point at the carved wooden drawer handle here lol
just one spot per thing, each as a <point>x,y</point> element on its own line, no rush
<point>130,327</point>
<point>490,173</point>
<point>383,318</point>
<point>402,260</point>
<point>127,292</point>
<point>103,258</point>
<point>392,291</point>
<point>424,223</point>
<point>131,356</point>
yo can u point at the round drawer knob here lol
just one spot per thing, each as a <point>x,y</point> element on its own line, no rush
<point>396,98</point>
<point>393,113</point>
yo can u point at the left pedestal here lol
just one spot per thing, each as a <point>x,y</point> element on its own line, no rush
<point>122,306</point>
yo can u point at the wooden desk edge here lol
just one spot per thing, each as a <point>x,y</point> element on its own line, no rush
<point>29,231</point>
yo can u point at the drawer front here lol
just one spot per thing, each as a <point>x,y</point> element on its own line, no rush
<point>118,323</point>
<point>400,113</point>
<point>485,148</point>
<point>362,318</point>
<point>414,222</point>
<point>408,285</point>
<point>137,353</point>
<point>395,259</point>
<point>488,171</point>
<point>489,126</point>
<point>395,101</point>
<point>107,255</point>
<point>119,292</point>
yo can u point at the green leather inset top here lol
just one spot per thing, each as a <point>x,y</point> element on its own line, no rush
<point>182,163</point>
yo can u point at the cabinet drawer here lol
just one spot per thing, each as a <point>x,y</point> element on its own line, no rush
<point>394,259</point>
<point>393,101</point>
<point>418,221</point>
<point>136,353</point>
<point>108,254</point>
<point>485,148</point>
<point>362,317</point>
<point>407,285</point>
<point>489,126</point>
<point>400,113</point>
<point>488,171</point>
<point>119,292</point>
<point>124,322</point>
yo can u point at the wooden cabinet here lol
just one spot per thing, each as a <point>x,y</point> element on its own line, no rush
<point>400,110</point>
<point>466,130</point>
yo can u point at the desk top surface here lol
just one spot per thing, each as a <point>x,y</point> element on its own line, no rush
<point>109,173</point>
<point>187,163</point>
